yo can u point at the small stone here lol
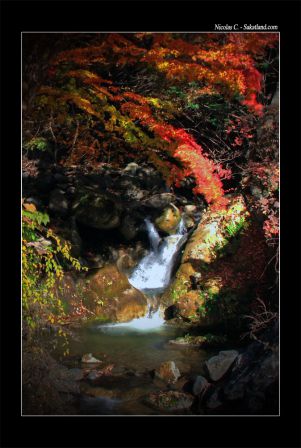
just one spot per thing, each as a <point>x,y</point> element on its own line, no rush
<point>131,168</point>
<point>218,365</point>
<point>190,209</point>
<point>168,372</point>
<point>88,358</point>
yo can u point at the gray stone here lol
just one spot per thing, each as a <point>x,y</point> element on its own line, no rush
<point>159,201</point>
<point>200,385</point>
<point>88,358</point>
<point>218,365</point>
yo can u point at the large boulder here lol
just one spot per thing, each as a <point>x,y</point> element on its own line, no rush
<point>109,295</point>
<point>253,382</point>
<point>159,201</point>
<point>106,294</point>
<point>213,231</point>
<point>219,365</point>
<point>198,282</point>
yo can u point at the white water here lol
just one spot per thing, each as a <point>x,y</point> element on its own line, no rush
<point>151,321</point>
<point>154,270</point>
<point>152,276</point>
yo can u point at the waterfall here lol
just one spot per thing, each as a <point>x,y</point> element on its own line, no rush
<point>154,270</point>
<point>153,235</point>
<point>152,276</point>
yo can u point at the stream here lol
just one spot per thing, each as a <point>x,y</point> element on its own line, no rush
<point>138,347</point>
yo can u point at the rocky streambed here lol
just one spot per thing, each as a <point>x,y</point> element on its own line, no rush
<point>153,326</point>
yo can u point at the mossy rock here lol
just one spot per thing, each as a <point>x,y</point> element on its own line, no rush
<point>169,220</point>
<point>106,294</point>
<point>214,231</point>
<point>109,294</point>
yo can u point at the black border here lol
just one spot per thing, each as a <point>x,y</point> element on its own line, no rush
<point>20,431</point>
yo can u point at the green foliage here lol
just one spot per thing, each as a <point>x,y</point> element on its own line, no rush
<point>177,293</point>
<point>37,144</point>
<point>193,106</point>
<point>209,302</point>
<point>234,227</point>
<point>42,256</point>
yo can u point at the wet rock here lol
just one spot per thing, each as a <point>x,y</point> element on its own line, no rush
<point>88,358</point>
<point>200,385</point>
<point>168,372</point>
<point>169,220</point>
<point>188,304</point>
<point>159,201</point>
<point>106,294</point>
<point>170,401</point>
<point>218,365</point>
<point>109,295</point>
<point>210,232</point>
<point>204,247</point>
<point>58,202</point>
<point>131,305</point>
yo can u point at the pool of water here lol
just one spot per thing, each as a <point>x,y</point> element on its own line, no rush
<point>137,348</point>
<point>134,351</point>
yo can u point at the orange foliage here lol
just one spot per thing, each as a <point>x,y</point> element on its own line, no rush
<point>218,63</point>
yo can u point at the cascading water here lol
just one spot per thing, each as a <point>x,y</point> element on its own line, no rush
<point>152,276</point>
<point>154,270</point>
